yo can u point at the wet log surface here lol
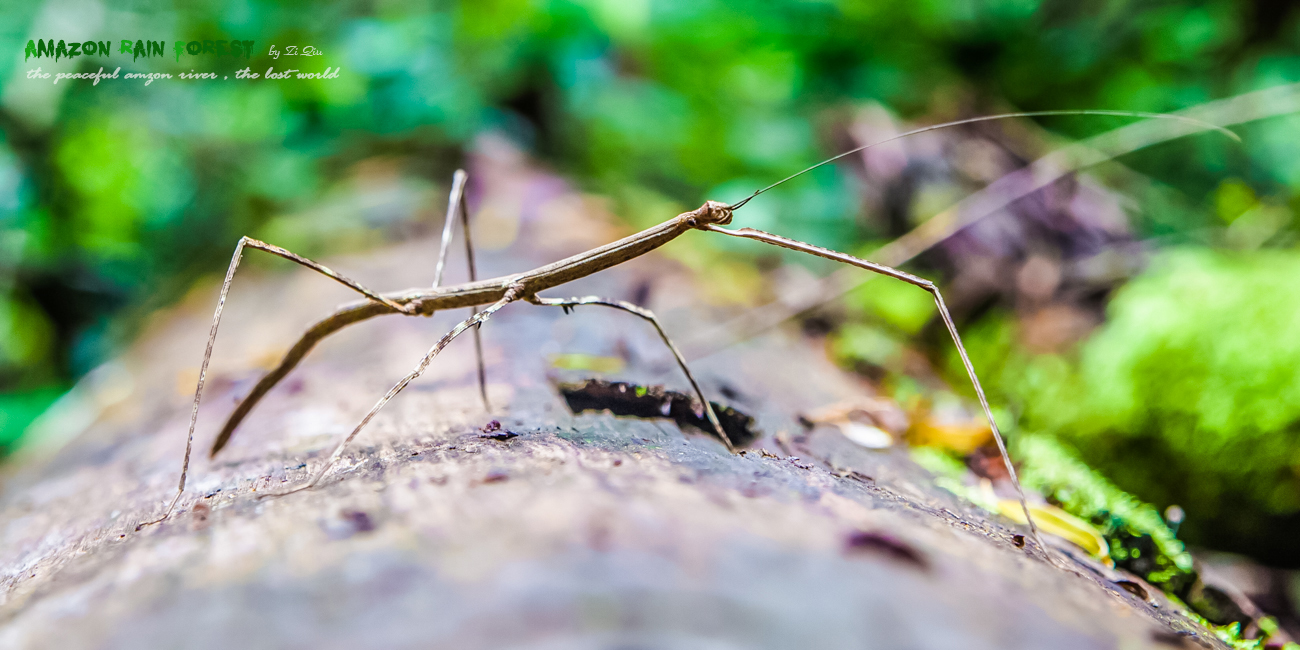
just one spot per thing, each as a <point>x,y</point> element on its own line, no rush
<point>584,531</point>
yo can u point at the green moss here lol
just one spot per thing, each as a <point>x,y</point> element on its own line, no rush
<point>1140,541</point>
<point>1231,634</point>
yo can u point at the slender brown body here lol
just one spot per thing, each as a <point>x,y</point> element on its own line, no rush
<point>483,292</point>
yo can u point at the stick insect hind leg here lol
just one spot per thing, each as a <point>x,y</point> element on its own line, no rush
<point>783,242</point>
<point>570,303</point>
<point>248,242</point>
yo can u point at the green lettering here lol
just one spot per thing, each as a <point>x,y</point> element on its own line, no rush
<point>155,48</point>
<point>60,51</point>
<point>248,49</point>
<point>209,48</point>
<point>44,48</point>
<point>139,51</point>
<point>125,48</point>
<point>178,48</point>
<point>30,51</point>
<point>106,48</point>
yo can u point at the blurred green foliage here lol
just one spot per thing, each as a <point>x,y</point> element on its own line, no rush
<point>114,198</point>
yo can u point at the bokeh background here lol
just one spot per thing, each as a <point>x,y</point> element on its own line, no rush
<point>1144,314</point>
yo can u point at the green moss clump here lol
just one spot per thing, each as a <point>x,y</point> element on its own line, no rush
<point>1140,542</point>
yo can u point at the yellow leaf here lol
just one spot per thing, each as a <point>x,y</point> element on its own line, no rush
<point>1055,521</point>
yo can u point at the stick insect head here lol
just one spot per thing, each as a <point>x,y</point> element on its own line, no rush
<point>712,212</point>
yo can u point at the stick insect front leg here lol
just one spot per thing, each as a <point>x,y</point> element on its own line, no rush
<point>783,242</point>
<point>473,321</point>
<point>569,304</point>
<point>248,242</point>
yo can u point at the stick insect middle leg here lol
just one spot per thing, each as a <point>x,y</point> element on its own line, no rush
<point>570,303</point>
<point>783,242</point>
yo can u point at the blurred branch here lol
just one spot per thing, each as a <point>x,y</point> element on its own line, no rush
<point>1247,107</point>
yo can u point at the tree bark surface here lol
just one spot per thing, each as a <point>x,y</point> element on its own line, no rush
<point>584,531</point>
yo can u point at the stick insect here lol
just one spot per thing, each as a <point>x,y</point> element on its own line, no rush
<point>494,294</point>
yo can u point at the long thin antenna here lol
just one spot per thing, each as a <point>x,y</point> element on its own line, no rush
<point>989,118</point>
